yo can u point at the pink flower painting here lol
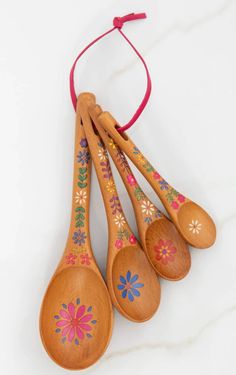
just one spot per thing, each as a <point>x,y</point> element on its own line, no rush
<point>71,258</point>
<point>132,239</point>
<point>165,251</point>
<point>118,244</point>
<point>74,323</point>
<point>131,180</point>
<point>85,259</point>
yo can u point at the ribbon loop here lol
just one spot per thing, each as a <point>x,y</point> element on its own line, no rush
<point>118,24</point>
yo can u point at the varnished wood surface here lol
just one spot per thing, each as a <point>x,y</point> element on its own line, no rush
<point>76,317</point>
<point>195,225</point>
<point>164,246</point>
<point>132,282</point>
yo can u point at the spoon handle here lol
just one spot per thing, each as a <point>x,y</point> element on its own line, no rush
<point>120,233</point>
<point>170,198</point>
<point>195,225</point>
<point>145,211</point>
<point>78,250</point>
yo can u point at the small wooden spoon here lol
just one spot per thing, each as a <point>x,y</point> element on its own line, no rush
<point>166,249</point>
<point>195,225</point>
<point>76,315</point>
<point>132,282</point>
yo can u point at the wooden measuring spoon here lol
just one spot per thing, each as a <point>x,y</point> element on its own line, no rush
<point>132,282</point>
<point>164,246</point>
<point>76,315</point>
<point>195,225</point>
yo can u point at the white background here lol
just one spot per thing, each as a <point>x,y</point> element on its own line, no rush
<point>187,131</point>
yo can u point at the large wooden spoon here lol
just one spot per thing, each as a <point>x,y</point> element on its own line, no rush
<point>132,282</point>
<point>76,315</point>
<point>195,225</point>
<point>163,244</point>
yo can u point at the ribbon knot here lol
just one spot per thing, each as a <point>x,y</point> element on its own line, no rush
<point>118,22</point>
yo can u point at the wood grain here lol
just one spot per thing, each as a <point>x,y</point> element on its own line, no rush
<point>132,283</point>
<point>76,316</point>
<point>165,248</point>
<point>195,225</point>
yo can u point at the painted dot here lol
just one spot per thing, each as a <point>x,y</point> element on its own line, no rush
<point>93,321</point>
<point>89,336</point>
<point>64,305</point>
<point>76,342</point>
<point>56,316</point>
<point>78,301</point>
<point>63,340</point>
<point>89,308</point>
<point>57,330</point>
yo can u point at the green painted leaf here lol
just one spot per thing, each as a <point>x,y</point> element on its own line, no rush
<point>82,185</point>
<point>174,192</point>
<point>120,234</point>
<point>169,197</point>
<point>82,209</point>
<point>79,224</point>
<point>82,178</point>
<point>83,170</point>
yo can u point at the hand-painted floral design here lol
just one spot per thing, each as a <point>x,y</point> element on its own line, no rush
<point>119,220</point>
<point>139,155</point>
<point>80,197</point>
<point>123,233</point>
<point>175,205</point>
<point>165,251</point>
<point>70,258</point>
<point>163,184</point>
<point>79,237</point>
<point>118,244</point>
<point>147,207</point>
<point>102,154</point>
<point>83,157</point>
<point>156,176</point>
<point>129,286</point>
<point>82,177</point>
<point>115,204</point>
<point>83,142</point>
<point>122,161</point>
<point>131,180</point>
<point>74,323</point>
<point>106,169</point>
<point>172,196</point>
<point>110,186</point>
<point>85,259</point>
<point>181,198</point>
<point>132,239</point>
<point>195,226</point>
<point>112,144</point>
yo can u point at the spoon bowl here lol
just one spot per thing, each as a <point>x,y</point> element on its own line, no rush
<point>132,281</point>
<point>165,248</point>
<point>85,338</point>
<point>196,225</point>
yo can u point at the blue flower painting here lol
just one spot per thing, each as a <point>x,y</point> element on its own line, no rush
<point>129,286</point>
